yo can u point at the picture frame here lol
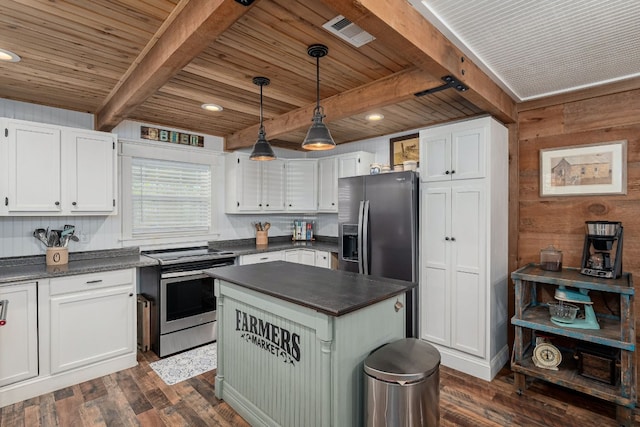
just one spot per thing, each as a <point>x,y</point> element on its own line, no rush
<point>584,169</point>
<point>404,148</point>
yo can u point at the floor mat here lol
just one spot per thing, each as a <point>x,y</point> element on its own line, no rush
<point>187,364</point>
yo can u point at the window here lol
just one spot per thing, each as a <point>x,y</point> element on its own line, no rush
<point>169,197</point>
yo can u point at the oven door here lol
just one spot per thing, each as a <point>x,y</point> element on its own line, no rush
<point>187,300</point>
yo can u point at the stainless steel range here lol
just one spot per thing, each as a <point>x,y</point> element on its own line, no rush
<point>183,304</point>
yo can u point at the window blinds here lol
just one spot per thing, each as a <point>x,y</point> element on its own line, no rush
<point>170,197</point>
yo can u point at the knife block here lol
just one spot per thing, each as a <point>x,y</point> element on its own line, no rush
<point>261,238</point>
<point>57,256</point>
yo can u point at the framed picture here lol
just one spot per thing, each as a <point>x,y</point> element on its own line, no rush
<point>404,148</point>
<point>584,170</point>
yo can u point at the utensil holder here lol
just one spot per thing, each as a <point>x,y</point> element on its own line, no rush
<point>57,256</point>
<point>261,238</point>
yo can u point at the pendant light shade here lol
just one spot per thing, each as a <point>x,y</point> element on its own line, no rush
<point>262,149</point>
<point>318,137</point>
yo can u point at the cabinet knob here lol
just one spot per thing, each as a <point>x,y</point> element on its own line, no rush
<point>74,204</point>
<point>453,239</point>
<point>446,173</point>
<point>260,204</point>
<point>453,171</point>
<point>290,205</point>
<point>333,204</point>
<point>267,204</point>
<point>446,238</point>
<point>130,295</point>
<point>57,203</point>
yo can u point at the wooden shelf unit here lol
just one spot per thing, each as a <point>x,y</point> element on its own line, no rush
<point>532,316</point>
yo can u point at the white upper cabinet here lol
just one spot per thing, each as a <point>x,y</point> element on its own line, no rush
<point>353,164</point>
<point>339,166</point>
<point>289,185</point>
<point>253,186</point>
<point>302,185</point>
<point>55,170</point>
<point>328,184</point>
<point>273,185</point>
<point>90,158</point>
<point>451,152</point>
<point>243,183</point>
<point>34,156</point>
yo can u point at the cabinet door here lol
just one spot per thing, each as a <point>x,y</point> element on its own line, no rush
<point>34,167</point>
<point>250,185</point>
<point>292,255</point>
<point>328,185</point>
<point>354,164</point>
<point>323,259</point>
<point>435,155</point>
<point>468,225</point>
<point>302,187</point>
<point>88,327</point>
<point>468,152</point>
<point>19,335</point>
<point>273,185</point>
<point>90,159</point>
<point>435,250</point>
<point>307,256</point>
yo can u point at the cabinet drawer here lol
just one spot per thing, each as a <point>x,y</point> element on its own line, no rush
<point>88,282</point>
<point>261,257</point>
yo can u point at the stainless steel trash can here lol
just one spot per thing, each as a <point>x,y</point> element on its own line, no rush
<point>402,385</point>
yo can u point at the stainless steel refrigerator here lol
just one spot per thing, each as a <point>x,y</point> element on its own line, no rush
<point>378,230</point>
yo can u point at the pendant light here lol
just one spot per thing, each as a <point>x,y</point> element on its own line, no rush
<point>262,149</point>
<point>318,136</point>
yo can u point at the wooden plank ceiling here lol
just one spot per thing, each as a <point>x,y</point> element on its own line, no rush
<point>157,61</point>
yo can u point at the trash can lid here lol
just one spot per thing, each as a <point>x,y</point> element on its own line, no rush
<point>402,361</point>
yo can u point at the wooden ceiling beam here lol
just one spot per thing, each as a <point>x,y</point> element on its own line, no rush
<point>188,32</point>
<point>386,91</point>
<point>397,25</point>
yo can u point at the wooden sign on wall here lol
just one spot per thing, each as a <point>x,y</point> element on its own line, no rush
<point>164,135</point>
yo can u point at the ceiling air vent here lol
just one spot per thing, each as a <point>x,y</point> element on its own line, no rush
<point>348,31</point>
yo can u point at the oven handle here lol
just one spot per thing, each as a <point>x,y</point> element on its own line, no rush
<point>195,274</point>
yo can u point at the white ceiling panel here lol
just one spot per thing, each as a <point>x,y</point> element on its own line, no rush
<point>543,47</point>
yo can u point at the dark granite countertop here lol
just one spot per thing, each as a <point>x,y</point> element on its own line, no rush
<point>331,292</point>
<point>278,243</point>
<point>18,269</point>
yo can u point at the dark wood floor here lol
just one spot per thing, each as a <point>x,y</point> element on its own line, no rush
<point>138,397</point>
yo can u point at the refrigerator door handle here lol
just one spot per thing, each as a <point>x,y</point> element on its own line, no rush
<point>365,239</point>
<point>360,219</point>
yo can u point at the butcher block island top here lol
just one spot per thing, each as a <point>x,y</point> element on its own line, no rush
<point>332,292</point>
<point>292,340</point>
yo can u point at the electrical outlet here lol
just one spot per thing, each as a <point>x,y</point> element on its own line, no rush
<point>84,238</point>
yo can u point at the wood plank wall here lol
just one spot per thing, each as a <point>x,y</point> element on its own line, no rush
<point>541,221</point>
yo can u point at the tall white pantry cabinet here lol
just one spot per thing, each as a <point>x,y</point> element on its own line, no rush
<point>464,224</point>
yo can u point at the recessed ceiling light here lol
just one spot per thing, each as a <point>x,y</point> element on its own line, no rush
<point>374,117</point>
<point>212,107</point>
<point>8,56</point>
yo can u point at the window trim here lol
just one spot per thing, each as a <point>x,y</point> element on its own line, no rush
<point>157,151</point>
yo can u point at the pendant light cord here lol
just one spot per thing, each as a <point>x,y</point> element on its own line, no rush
<point>317,83</point>
<point>261,127</point>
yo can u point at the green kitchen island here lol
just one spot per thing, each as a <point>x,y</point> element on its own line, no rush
<point>292,340</point>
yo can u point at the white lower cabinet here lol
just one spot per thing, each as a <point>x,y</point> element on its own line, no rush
<point>261,257</point>
<point>298,255</point>
<point>301,256</point>
<point>464,253</point>
<point>64,331</point>
<point>92,318</point>
<point>19,333</point>
<point>323,259</point>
